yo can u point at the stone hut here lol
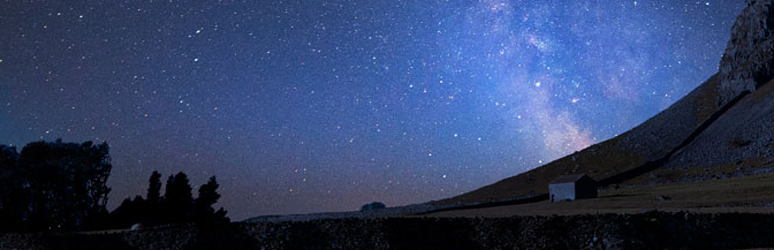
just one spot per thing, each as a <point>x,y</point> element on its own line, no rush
<point>571,187</point>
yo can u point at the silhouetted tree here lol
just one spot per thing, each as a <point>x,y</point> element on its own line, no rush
<point>176,206</point>
<point>68,182</point>
<point>144,211</point>
<point>54,185</point>
<point>154,187</point>
<point>177,198</point>
<point>11,191</point>
<point>129,212</point>
<point>152,207</point>
<point>63,186</point>
<point>220,215</point>
<point>204,213</point>
<point>208,194</point>
<point>8,157</point>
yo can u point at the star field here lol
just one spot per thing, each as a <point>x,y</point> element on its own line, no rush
<point>314,106</point>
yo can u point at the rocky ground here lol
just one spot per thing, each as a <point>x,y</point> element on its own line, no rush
<point>651,230</point>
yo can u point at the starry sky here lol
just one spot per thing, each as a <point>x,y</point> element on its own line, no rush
<point>317,106</point>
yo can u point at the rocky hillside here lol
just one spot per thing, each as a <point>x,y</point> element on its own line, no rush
<point>746,66</point>
<point>747,62</point>
<point>740,142</point>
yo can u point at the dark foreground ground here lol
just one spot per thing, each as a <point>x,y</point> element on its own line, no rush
<point>650,230</point>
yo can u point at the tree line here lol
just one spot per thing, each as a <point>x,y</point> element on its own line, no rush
<point>176,206</point>
<point>57,186</point>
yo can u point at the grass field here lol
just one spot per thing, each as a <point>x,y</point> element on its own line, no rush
<point>743,194</point>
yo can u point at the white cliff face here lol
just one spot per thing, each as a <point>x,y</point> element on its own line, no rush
<point>749,57</point>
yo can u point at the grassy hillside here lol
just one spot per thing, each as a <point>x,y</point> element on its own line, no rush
<point>646,142</point>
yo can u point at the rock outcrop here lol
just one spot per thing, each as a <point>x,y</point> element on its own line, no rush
<point>748,61</point>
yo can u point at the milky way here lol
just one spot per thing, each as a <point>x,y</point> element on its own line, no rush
<point>313,106</point>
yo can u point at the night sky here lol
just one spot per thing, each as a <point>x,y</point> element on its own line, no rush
<point>316,106</point>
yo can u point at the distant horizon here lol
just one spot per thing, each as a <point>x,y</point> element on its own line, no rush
<point>316,107</point>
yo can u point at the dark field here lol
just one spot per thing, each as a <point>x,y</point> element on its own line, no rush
<point>650,230</point>
<point>753,194</point>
